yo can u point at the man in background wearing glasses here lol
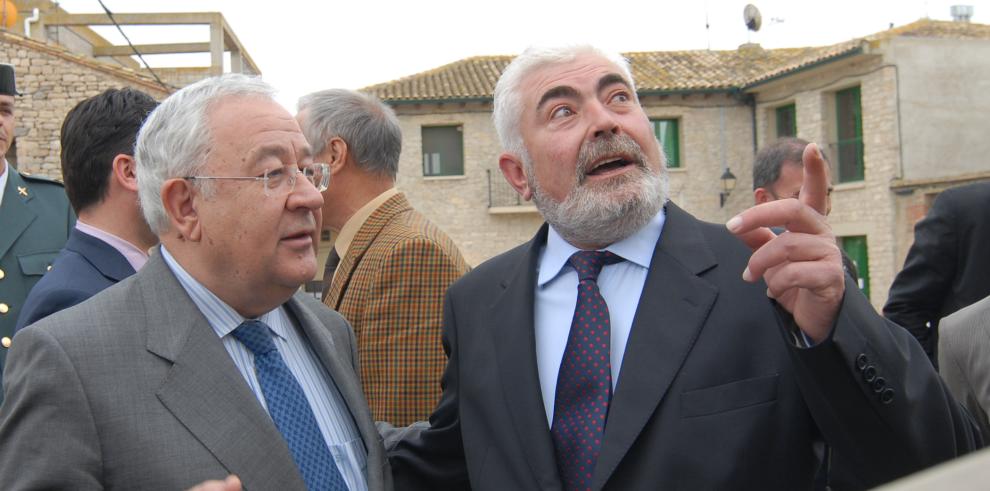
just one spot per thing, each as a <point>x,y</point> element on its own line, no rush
<point>394,264</point>
<point>207,362</point>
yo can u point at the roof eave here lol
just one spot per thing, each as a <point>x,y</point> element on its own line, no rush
<point>858,50</point>
<point>709,90</point>
<point>452,100</point>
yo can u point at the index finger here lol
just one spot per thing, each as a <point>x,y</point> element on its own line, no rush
<point>814,187</point>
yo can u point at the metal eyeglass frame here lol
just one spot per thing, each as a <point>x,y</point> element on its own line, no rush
<point>309,172</point>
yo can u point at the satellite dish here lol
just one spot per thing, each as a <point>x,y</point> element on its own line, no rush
<point>752,16</point>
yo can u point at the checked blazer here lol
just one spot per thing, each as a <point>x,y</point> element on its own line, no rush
<point>390,285</point>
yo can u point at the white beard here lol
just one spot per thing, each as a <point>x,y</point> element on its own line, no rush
<point>602,214</point>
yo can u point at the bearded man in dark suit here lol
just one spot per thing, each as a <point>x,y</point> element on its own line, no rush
<point>620,349</point>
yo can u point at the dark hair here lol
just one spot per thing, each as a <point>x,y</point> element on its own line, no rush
<point>93,133</point>
<point>766,167</point>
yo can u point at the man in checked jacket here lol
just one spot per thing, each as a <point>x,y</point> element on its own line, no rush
<point>390,266</point>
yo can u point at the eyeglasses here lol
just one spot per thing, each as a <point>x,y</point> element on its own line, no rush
<point>282,181</point>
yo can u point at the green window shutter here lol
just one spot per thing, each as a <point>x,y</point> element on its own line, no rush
<point>443,151</point>
<point>855,248</point>
<point>786,121</point>
<point>667,132</point>
<point>849,130</point>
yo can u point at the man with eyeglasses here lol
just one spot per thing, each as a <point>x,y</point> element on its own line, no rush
<point>207,362</point>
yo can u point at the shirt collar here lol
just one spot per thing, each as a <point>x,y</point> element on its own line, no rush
<point>353,224</point>
<point>221,317</point>
<point>3,179</point>
<point>637,248</point>
<point>132,253</point>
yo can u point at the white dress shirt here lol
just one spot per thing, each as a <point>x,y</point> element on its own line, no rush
<point>621,285</point>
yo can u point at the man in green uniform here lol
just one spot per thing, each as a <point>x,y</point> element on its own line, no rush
<point>35,220</point>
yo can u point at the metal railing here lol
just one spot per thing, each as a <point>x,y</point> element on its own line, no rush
<point>500,193</point>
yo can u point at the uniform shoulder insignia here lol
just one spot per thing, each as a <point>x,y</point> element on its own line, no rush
<point>42,179</point>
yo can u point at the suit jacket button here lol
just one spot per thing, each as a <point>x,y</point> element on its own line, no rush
<point>870,374</point>
<point>48,268</point>
<point>2,274</point>
<point>887,396</point>
<point>879,385</point>
<point>5,342</point>
<point>862,361</point>
<point>4,308</point>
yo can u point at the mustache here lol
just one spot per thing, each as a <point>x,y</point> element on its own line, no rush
<point>615,145</point>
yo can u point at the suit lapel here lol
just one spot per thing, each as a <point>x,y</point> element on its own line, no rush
<point>513,333</point>
<point>15,213</point>
<point>671,313</point>
<point>107,260</point>
<point>330,353</point>
<point>366,234</point>
<point>204,389</point>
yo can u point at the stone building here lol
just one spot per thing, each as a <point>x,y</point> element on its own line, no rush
<point>59,60</point>
<point>900,114</point>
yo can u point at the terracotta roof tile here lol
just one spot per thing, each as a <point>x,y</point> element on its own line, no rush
<point>474,78</point>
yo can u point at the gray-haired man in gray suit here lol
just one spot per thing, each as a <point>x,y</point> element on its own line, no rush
<point>207,362</point>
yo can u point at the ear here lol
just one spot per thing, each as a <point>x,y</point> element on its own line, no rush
<point>338,150</point>
<point>513,171</point>
<point>761,195</point>
<point>124,172</point>
<point>178,197</point>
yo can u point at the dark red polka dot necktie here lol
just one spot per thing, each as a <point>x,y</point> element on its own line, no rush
<point>584,383</point>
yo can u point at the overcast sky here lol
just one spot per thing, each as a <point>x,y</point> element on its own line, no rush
<point>302,46</point>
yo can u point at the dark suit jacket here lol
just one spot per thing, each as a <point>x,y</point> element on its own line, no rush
<point>947,267</point>
<point>132,389</point>
<point>712,393</point>
<point>85,267</point>
<point>35,220</point>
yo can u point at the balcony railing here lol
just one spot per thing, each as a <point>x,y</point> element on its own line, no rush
<point>500,193</point>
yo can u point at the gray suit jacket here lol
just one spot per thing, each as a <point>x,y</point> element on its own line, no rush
<point>964,359</point>
<point>133,390</point>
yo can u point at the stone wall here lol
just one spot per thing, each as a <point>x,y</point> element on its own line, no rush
<point>716,131</point>
<point>459,204</point>
<point>52,82</point>
<point>858,208</point>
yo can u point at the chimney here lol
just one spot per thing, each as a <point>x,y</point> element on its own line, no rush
<point>961,13</point>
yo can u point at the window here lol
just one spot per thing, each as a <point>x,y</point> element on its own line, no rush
<point>855,249</point>
<point>443,151</point>
<point>786,121</point>
<point>666,130</point>
<point>849,133</point>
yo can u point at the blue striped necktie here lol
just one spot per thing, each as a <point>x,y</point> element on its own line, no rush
<point>290,410</point>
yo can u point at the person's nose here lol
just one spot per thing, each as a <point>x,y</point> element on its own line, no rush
<point>603,121</point>
<point>304,195</point>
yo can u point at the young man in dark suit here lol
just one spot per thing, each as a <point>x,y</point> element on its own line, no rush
<point>631,346</point>
<point>111,239</point>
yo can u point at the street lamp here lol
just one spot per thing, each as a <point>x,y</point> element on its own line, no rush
<point>728,184</point>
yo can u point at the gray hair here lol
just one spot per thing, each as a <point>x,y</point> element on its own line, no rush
<point>508,98</point>
<point>769,160</point>
<point>369,127</point>
<point>176,139</point>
